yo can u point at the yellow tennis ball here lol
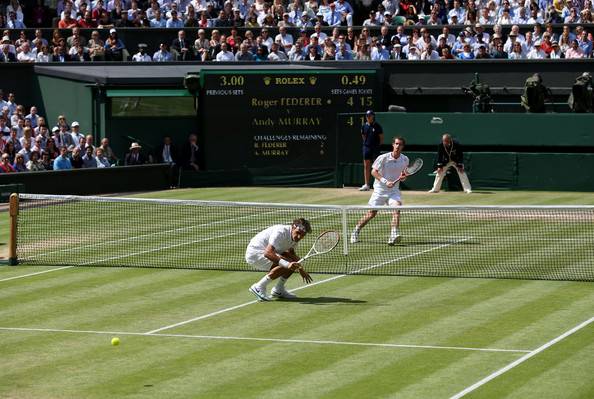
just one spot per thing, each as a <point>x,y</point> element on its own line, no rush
<point>115,341</point>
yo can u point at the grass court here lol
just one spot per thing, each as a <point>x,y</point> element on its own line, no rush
<point>200,334</point>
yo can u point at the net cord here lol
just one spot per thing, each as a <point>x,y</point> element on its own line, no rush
<point>338,208</point>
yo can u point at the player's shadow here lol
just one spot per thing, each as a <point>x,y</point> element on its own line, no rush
<point>326,300</point>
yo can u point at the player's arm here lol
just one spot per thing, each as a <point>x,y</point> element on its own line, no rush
<point>377,174</point>
<point>292,256</point>
<point>271,254</point>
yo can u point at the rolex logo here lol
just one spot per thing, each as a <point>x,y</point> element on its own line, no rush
<point>267,80</point>
<point>313,80</point>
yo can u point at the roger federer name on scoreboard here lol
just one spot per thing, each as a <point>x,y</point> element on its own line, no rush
<point>287,101</point>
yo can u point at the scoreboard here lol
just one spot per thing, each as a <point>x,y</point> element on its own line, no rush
<point>279,118</point>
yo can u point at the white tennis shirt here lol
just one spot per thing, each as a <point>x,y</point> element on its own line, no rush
<point>391,168</point>
<point>279,236</point>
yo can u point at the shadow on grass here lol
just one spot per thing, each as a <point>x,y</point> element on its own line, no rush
<point>324,300</point>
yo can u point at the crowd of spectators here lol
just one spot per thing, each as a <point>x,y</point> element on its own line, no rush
<point>297,30</point>
<point>29,142</point>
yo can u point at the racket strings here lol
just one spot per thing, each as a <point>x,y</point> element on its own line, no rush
<point>326,241</point>
<point>415,167</point>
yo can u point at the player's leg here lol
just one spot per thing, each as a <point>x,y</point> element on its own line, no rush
<point>375,200</point>
<point>360,224</point>
<point>279,290</point>
<point>395,236</point>
<point>464,180</point>
<point>259,262</point>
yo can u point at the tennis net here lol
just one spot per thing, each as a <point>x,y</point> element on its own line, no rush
<point>526,242</point>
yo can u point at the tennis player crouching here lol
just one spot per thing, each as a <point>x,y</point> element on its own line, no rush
<point>388,170</point>
<point>273,250</point>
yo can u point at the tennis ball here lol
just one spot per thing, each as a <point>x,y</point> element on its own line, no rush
<point>115,341</point>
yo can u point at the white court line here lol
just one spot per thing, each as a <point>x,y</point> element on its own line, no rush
<point>225,310</point>
<point>36,273</point>
<point>279,340</point>
<point>147,235</point>
<point>521,360</point>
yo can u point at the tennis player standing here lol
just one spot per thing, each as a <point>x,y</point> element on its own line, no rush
<point>273,250</point>
<point>388,171</point>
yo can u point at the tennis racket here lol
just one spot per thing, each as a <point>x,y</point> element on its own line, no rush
<point>414,168</point>
<point>325,243</point>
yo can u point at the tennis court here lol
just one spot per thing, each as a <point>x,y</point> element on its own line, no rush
<point>199,333</point>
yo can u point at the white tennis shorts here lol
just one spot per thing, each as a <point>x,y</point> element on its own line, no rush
<point>258,261</point>
<point>391,199</point>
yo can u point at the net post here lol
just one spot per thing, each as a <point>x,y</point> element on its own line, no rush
<point>13,212</point>
<point>345,247</point>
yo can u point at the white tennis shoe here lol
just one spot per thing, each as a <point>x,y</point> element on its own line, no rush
<point>364,187</point>
<point>282,293</point>
<point>257,291</point>
<point>394,239</point>
<point>355,236</point>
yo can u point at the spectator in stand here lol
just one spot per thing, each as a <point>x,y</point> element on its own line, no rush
<point>13,22</point>
<point>134,157</point>
<point>51,149</point>
<point>107,151</point>
<point>556,52</point>
<point>499,52</point>
<point>19,163</point>
<point>6,166</point>
<point>244,54</point>
<point>182,47</point>
<point>46,162</point>
<point>87,21</point>
<point>158,21</point>
<point>89,160</point>
<point>43,55</point>
<point>35,164</point>
<point>189,156</point>
<point>467,53</point>
<point>225,55</point>
<point>167,153</point>
<point>516,52</point>
<point>5,54</point>
<point>201,45</point>
<point>96,47</point>
<point>14,6</point>
<point>574,51</point>
<point>141,56</point>
<point>102,161</point>
<point>75,133</point>
<point>62,162</point>
<point>67,22</point>
<point>537,53</point>
<point>75,157</point>
<point>62,137</point>
<point>114,47</point>
<point>163,54</point>
<point>174,22</point>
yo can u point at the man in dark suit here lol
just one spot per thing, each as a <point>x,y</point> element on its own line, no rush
<point>6,55</point>
<point>449,154</point>
<point>189,156</point>
<point>134,157</point>
<point>182,46</point>
<point>167,153</point>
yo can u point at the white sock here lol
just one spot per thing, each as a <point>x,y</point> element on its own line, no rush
<point>263,283</point>
<point>281,283</point>
<point>357,228</point>
<point>395,231</point>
